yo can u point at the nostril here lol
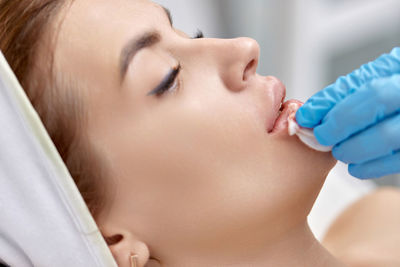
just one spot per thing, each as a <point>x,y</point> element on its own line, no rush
<point>249,67</point>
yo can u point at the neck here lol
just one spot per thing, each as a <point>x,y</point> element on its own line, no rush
<point>297,247</point>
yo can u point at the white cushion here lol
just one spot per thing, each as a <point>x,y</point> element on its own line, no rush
<point>44,220</point>
<point>339,191</point>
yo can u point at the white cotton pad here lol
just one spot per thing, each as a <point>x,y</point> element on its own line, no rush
<point>304,134</point>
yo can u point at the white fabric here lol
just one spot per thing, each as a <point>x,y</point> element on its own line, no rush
<point>44,220</point>
<point>339,191</point>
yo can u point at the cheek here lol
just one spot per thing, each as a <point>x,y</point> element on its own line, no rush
<point>195,145</point>
<point>246,165</point>
<point>209,161</point>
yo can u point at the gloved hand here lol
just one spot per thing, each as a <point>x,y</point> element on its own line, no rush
<point>360,116</point>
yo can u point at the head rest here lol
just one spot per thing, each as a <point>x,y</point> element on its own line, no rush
<point>44,219</point>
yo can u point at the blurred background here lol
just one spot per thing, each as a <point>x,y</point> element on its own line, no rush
<point>305,43</point>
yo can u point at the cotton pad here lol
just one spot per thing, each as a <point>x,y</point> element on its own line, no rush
<point>305,135</point>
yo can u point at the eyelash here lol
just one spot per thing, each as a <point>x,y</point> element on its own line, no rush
<point>168,82</point>
<point>170,79</point>
<point>199,34</point>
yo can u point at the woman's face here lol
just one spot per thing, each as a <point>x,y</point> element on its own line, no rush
<point>194,169</point>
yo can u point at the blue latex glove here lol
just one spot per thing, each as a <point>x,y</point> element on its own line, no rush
<point>360,116</point>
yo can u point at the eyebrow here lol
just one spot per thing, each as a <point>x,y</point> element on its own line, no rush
<point>133,46</point>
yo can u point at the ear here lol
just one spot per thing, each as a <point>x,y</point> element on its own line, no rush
<point>123,244</point>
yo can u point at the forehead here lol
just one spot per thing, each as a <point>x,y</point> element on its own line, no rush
<point>86,16</point>
<point>93,32</point>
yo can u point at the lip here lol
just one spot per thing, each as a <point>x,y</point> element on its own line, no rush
<point>278,92</point>
<point>281,122</point>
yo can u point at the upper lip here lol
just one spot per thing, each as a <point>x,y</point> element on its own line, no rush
<point>279,94</point>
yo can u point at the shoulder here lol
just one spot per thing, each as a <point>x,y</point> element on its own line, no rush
<point>367,233</point>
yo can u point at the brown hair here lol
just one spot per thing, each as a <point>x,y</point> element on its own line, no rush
<point>23,25</point>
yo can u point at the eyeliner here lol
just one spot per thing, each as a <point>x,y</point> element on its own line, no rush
<point>166,82</point>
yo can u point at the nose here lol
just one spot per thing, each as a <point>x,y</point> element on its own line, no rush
<point>238,62</point>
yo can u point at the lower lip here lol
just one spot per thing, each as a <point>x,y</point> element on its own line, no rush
<point>281,122</point>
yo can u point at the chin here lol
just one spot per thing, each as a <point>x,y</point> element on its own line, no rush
<point>312,161</point>
<point>304,170</point>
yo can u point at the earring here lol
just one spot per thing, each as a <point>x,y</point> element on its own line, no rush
<point>133,259</point>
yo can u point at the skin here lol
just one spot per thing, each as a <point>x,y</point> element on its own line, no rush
<point>371,224</point>
<point>197,179</point>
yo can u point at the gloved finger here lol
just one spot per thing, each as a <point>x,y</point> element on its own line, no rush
<point>317,107</point>
<point>375,142</point>
<point>376,168</point>
<point>371,104</point>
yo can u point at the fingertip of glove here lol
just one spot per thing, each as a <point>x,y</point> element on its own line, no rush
<point>354,171</point>
<point>357,171</point>
<point>337,153</point>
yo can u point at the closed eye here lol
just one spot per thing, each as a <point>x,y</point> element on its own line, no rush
<point>169,82</point>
